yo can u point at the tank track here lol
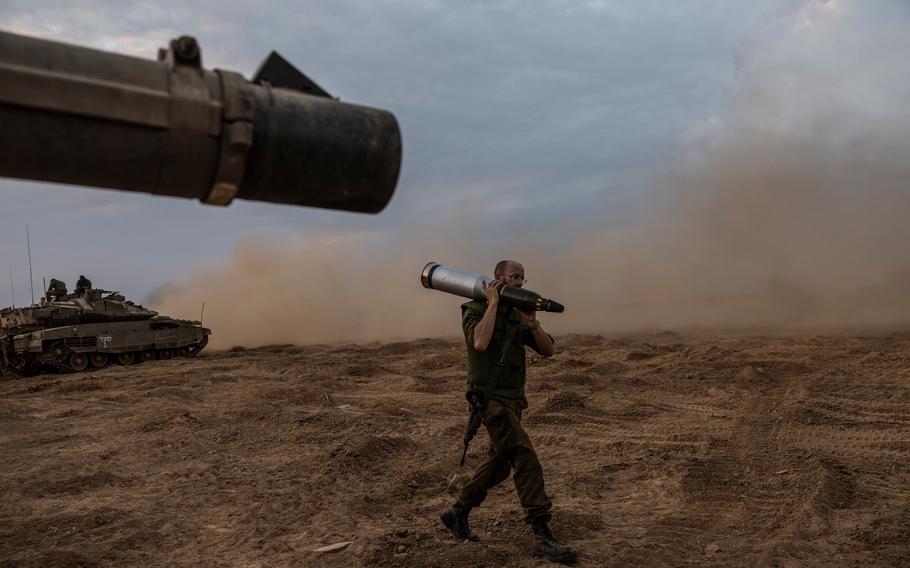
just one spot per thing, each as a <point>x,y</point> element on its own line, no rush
<point>67,361</point>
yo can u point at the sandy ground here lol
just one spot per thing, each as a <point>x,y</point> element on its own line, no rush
<point>701,450</point>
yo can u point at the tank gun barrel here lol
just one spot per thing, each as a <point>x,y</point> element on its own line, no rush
<point>170,127</point>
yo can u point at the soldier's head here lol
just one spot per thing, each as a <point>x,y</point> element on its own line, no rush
<point>511,271</point>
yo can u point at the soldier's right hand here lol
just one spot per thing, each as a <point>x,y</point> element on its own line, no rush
<point>491,290</point>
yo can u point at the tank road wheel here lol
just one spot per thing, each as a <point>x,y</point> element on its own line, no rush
<point>98,360</point>
<point>166,354</point>
<point>78,361</point>
<point>146,356</point>
<point>58,353</point>
<point>125,359</point>
<point>183,351</point>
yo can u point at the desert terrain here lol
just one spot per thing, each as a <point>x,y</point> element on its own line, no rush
<point>659,450</point>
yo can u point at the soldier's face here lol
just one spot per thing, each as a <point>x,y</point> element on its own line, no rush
<point>514,275</point>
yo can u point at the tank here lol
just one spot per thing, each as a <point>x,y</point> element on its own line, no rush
<point>91,328</point>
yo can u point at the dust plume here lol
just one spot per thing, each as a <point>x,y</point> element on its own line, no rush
<point>327,289</point>
<point>787,210</point>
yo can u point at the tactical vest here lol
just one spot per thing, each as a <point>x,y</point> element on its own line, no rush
<point>511,381</point>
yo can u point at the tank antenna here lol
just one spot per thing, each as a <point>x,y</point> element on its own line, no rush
<point>31,280</point>
<point>201,313</point>
<point>12,291</point>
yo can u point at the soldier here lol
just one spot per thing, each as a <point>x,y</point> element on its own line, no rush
<point>83,285</point>
<point>511,450</point>
<point>56,290</point>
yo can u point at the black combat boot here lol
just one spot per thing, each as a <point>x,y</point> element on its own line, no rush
<point>456,520</point>
<point>546,545</point>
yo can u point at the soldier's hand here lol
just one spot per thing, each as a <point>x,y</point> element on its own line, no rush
<point>491,290</point>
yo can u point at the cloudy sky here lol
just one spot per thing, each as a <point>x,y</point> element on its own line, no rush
<point>524,121</point>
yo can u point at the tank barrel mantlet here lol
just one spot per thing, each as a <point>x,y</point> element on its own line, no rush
<point>81,116</point>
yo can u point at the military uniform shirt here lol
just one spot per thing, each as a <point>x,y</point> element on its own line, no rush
<point>511,382</point>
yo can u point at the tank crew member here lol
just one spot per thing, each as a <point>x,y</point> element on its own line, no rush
<point>83,285</point>
<point>56,290</point>
<point>511,451</point>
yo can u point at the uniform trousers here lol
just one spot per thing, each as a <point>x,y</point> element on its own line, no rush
<point>511,451</point>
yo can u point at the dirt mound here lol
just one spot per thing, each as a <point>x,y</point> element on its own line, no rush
<point>438,385</point>
<point>563,400</point>
<point>75,484</point>
<point>573,379</point>
<point>301,394</point>
<point>374,448</point>
<point>365,370</point>
<point>574,363</point>
<point>640,355</point>
<point>609,368</point>
<point>752,374</point>
<point>708,450</point>
<point>447,361</point>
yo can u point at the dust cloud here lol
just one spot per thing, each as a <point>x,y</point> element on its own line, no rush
<point>328,289</point>
<point>788,210</point>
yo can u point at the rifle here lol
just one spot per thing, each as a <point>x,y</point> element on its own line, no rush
<point>478,400</point>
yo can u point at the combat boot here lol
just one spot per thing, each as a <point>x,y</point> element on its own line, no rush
<point>546,545</point>
<point>456,520</point>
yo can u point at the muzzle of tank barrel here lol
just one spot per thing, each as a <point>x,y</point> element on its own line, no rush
<point>169,127</point>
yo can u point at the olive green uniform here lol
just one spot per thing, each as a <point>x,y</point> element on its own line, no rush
<point>56,290</point>
<point>510,448</point>
<point>83,285</point>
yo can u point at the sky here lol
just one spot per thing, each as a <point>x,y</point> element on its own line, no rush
<point>571,134</point>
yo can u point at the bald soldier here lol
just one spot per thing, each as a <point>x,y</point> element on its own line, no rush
<point>511,450</point>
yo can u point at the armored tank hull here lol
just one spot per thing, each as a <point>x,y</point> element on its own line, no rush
<point>76,348</point>
<point>76,332</point>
